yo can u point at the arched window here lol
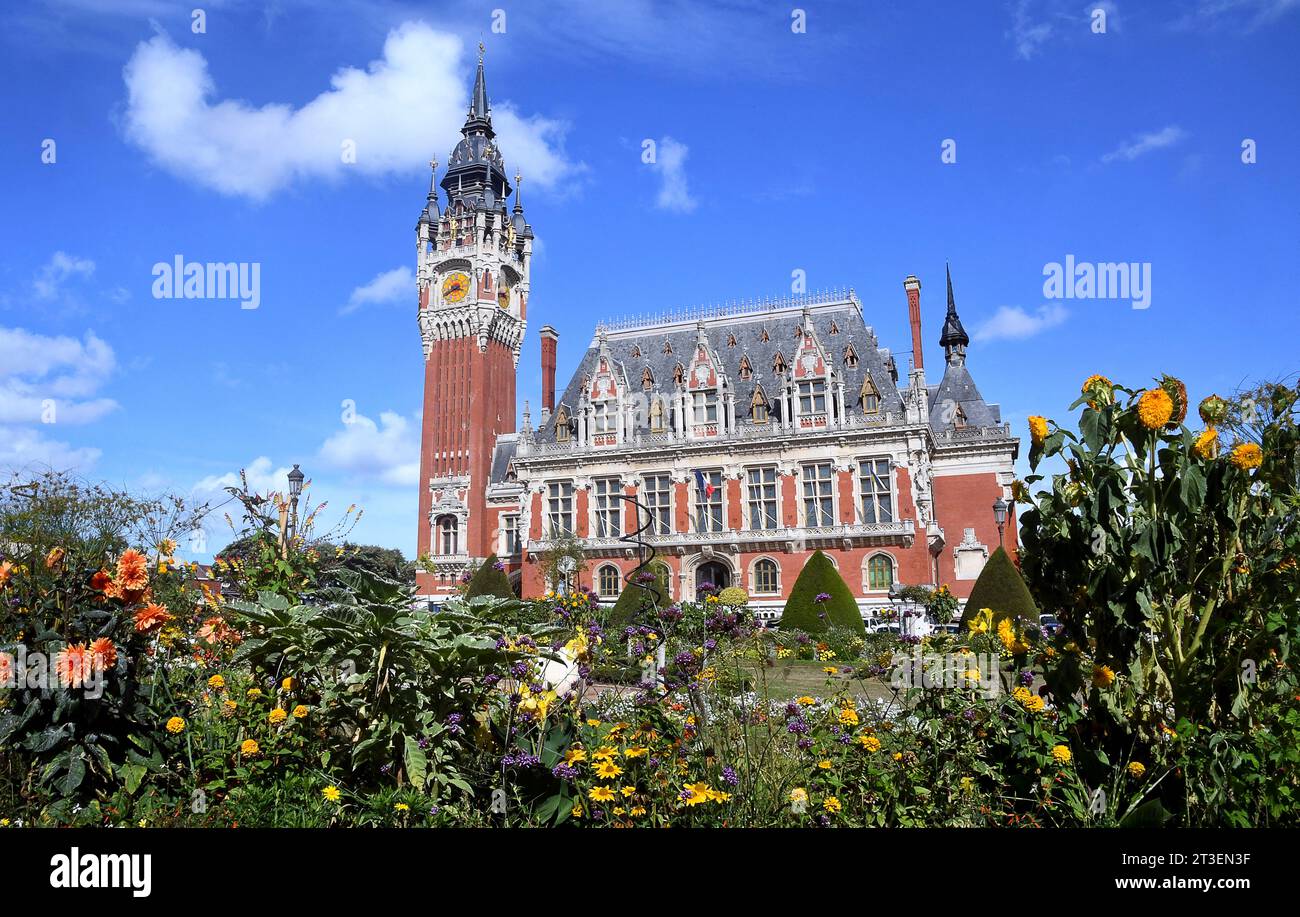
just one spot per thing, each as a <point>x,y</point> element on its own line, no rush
<point>608,581</point>
<point>880,572</point>
<point>657,416</point>
<point>767,577</point>
<point>758,405</point>
<point>447,535</point>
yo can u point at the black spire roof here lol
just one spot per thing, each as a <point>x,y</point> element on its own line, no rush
<point>476,174</point>
<point>953,332</point>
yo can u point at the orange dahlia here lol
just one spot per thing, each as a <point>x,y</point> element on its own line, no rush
<point>73,665</point>
<point>6,571</point>
<point>103,654</point>
<point>53,558</point>
<point>100,580</point>
<point>132,571</point>
<point>1155,407</point>
<point>151,617</point>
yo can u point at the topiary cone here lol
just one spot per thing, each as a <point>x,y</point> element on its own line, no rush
<point>1002,589</point>
<point>488,580</point>
<point>803,611</point>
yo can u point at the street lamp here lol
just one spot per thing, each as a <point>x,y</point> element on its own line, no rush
<point>1000,508</point>
<point>296,477</point>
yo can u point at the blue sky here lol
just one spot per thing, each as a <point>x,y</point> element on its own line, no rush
<point>817,151</point>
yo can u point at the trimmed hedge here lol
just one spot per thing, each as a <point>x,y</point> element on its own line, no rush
<point>803,611</point>
<point>488,580</point>
<point>635,603</point>
<point>1000,587</point>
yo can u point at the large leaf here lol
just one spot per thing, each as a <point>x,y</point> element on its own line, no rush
<point>417,763</point>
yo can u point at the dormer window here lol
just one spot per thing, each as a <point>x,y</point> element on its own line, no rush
<point>959,418</point>
<point>647,379</point>
<point>746,370</point>
<point>657,416</point>
<point>668,346</point>
<point>778,364</point>
<point>562,431</point>
<point>763,336</point>
<point>604,416</point>
<point>870,396</point>
<point>679,374</point>
<point>850,356</point>
<point>731,340</point>
<point>636,352</point>
<point>758,406</point>
<point>835,328</point>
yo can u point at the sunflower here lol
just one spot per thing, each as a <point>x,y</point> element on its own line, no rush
<point>151,618</point>
<point>1213,410</point>
<point>1100,389</point>
<point>1207,444</point>
<point>1037,429</point>
<point>1155,408</point>
<point>1177,393</point>
<point>1246,456</point>
<point>1103,676</point>
<point>1061,754</point>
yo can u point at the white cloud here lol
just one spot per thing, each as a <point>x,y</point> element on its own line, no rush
<point>1014,323</point>
<point>670,162</point>
<point>36,368</point>
<point>28,449</point>
<point>263,478</point>
<point>1028,33</point>
<point>398,112</point>
<point>1145,143</point>
<point>1246,15</point>
<point>48,283</point>
<point>390,287</point>
<point>388,452</point>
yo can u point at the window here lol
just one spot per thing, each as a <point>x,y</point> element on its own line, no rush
<point>850,356</point>
<point>762,498</point>
<point>731,340</point>
<point>812,397</point>
<point>647,379</point>
<point>959,418</point>
<point>608,581</point>
<point>604,417</point>
<point>875,483</point>
<point>766,577</point>
<point>656,494</point>
<point>758,409</point>
<point>447,535</point>
<point>835,328</point>
<point>608,505</point>
<point>679,374</point>
<point>708,507</point>
<point>657,416</point>
<point>746,369</point>
<point>763,336</point>
<point>706,407</point>
<point>510,528</point>
<point>636,352</point>
<point>668,346</point>
<point>870,396</point>
<point>818,494</point>
<point>559,508</point>
<point>880,573</point>
<point>562,426</point>
<point>778,364</point>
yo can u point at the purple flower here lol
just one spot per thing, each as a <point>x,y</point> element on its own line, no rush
<point>729,776</point>
<point>565,771</point>
<point>1026,677</point>
<point>498,566</point>
<point>822,597</point>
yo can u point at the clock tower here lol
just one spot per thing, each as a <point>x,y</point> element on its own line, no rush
<point>472,259</point>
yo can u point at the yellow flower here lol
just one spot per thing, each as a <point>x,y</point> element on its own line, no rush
<point>824,765</point>
<point>1207,444</point>
<point>1136,769</point>
<point>574,755</point>
<point>870,743</point>
<point>606,770</point>
<point>968,784</point>
<point>606,753</point>
<point>636,751</point>
<point>216,681</point>
<point>619,810</point>
<point>627,790</point>
<point>981,621</point>
<point>830,669</point>
<point>1102,676</point>
<point>254,692</point>
<point>601,794</point>
<point>831,804</point>
<point>848,717</point>
<point>806,701</point>
<point>1155,407</point>
<point>289,684</point>
<point>696,793</point>
<point>1246,456</point>
<point>277,716</point>
<point>331,793</point>
<point>228,707</point>
<point>401,807</point>
<point>300,712</point>
<point>637,810</point>
<point>1037,429</point>
<point>249,748</point>
<point>176,725</point>
<point>593,723</point>
<point>719,796</point>
<point>1060,753</point>
<point>1099,387</point>
<point>798,794</point>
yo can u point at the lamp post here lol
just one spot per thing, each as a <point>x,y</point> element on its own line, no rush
<point>1000,508</point>
<point>296,477</point>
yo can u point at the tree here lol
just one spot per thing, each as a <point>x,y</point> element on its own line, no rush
<point>1001,589</point>
<point>490,579</point>
<point>820,580</point>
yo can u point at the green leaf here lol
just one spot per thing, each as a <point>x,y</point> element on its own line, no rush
<point>75,774</point>
<point>417,763</point>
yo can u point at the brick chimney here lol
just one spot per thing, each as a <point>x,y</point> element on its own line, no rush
<point>549,339</point>
<point>913,288</point>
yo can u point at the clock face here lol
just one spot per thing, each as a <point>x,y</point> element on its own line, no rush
<point>455,286</point>
<point>503,298</point>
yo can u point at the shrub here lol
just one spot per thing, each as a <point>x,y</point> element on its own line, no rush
<point>734,597</point>
<point>490,579</point>
<point>647,589</point>
<point>1001,588</point>
<point>820,578</point>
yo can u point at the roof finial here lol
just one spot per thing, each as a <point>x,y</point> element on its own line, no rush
<point>954,339</point>
<point>519,182</point>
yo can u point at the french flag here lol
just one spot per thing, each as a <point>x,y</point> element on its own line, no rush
<point>706,487</point>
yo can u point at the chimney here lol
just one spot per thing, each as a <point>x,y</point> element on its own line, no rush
<point>549,338</point>
<point>913,288</point>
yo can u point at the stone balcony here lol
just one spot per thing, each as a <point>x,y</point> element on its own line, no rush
<point>735,541</point>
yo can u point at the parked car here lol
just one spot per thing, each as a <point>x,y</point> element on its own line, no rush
<point>885,629</point>
<point>947,628</point>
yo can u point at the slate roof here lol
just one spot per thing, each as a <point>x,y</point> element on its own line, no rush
<point>747,329</point>
<point>959,388</point>
<point>502,455</point>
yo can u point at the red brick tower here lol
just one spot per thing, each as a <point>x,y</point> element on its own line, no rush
<point>473,260</point>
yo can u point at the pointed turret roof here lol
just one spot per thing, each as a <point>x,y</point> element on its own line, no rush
<point>953,332</point>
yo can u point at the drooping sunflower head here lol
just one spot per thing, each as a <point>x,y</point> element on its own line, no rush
<point>1213,410</point>
<point>1177,393</point>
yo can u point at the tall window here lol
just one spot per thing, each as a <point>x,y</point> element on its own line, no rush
<point>762,498</point>
<point>708,507</point>
<point>876,486</point>
<point>880,573</point>
<point>657,415</point>
<point>608,505</point>
<point>656,494</point>
<point>604,417</point>
<point>766,577</point>
<point>562,427</point>
<point>706,407</point>
<point>447,535</point>
<point>510,527</point>
<point>559,508</point>
<point>812,397</point>
<point>758,405</point>
<point>870,396</point>
<point>819,494</point>
<point>608,581</point>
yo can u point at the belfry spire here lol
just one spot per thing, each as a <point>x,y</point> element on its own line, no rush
<point>954,339</point>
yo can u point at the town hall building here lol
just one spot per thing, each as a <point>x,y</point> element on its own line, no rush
<point>752,434</point>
